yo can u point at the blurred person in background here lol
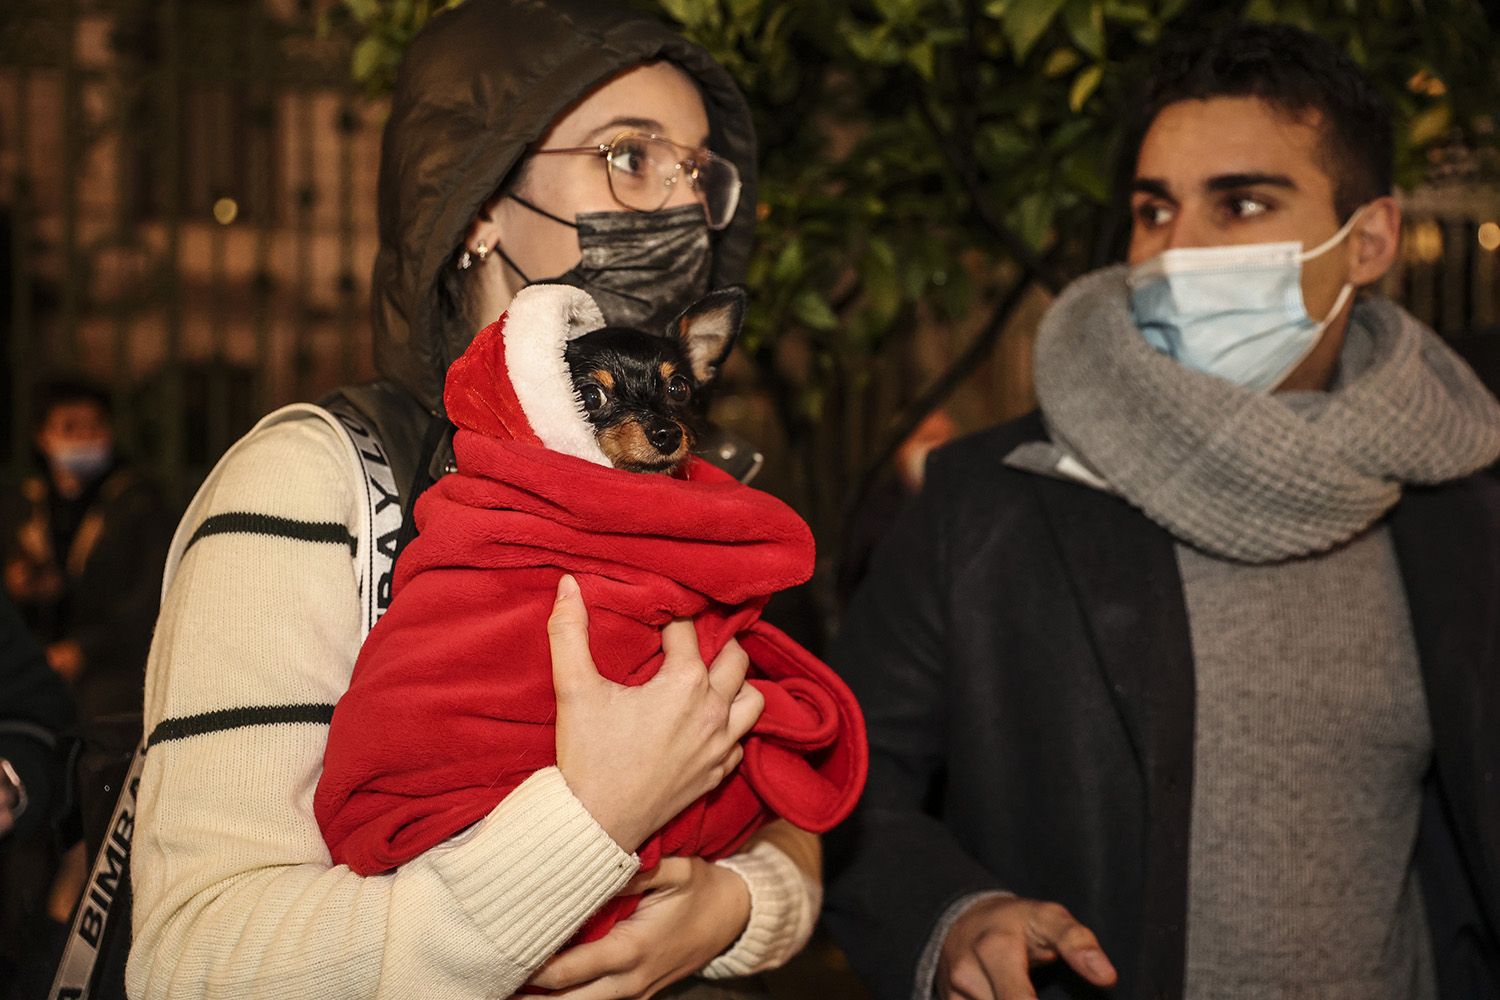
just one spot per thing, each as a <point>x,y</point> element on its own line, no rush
<point>84,548</point>
<point>85,542</point>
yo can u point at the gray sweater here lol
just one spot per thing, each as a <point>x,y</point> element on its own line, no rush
<point>1312,738</point>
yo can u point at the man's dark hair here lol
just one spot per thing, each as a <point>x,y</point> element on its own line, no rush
<point>60,391</point>
<point>1296,73</point>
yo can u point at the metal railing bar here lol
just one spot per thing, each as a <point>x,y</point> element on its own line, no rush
<point>348,288</point>
<point>172,469</point>
<point>21,314</point>
<point>72,153</point>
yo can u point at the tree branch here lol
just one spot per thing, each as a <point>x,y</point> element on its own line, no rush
<point>1029,259</point>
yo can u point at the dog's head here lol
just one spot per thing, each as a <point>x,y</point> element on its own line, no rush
<point>643,392</point>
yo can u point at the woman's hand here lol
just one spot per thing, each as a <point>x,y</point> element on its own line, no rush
<point>637,756</point>
<point>691,913</point>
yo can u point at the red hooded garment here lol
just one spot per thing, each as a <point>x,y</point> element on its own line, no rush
<point>451,704</point>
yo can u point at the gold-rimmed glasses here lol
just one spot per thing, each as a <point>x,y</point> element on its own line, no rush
<point>644,170</point>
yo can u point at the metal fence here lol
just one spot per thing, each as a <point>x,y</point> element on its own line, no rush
<point>187,191</point>
<point>1449,272</point>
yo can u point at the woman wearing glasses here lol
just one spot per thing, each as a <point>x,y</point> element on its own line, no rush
<point>560,141</point>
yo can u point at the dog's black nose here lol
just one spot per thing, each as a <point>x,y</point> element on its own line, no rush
<point>665,437</point>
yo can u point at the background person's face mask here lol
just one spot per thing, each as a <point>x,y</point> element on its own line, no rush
<point>1233,311</point>
<point>84,459</point>
<point>642,268</point>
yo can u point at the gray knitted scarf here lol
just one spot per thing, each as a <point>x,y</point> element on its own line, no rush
<point>1249,476</point>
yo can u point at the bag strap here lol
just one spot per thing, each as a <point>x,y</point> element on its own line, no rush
<point>374,561</point>
<point>380,510</point>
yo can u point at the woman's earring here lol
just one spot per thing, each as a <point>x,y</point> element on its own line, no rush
<point>465,261</point>
<point>482,250</point>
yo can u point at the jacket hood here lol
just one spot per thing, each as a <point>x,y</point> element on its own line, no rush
<point>478,85</point>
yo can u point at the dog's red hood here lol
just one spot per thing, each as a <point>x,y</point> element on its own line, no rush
<point>513,381</point>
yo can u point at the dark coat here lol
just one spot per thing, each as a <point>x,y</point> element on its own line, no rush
<point>108,580</point>
<point>35,710</point>
<point>1022,654</point>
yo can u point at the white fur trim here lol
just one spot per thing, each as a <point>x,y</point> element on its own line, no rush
<point>538,325</point>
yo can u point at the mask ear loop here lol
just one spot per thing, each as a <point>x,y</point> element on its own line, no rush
<point>539,210</point>
<point>505,259</point>
<point>1345,293</point>
<point>1320,250</point>
<point>1334,240</point>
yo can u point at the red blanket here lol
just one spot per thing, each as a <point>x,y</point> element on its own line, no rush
<point>451,704</point>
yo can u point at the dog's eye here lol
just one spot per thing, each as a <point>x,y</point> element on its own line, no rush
<point>679,389</point>
<point>592,395</point>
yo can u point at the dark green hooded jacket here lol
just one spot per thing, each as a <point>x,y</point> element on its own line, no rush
<point>481,83</point>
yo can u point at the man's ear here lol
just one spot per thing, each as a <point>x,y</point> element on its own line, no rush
<point>707,328</point>
<point>1374,242</point>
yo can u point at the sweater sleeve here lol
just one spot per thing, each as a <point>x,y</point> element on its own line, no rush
<point>235,894</point>
<point>782,866</point>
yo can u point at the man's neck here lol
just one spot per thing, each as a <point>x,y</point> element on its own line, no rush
<point>1317,370</point>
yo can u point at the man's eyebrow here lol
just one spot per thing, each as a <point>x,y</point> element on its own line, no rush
<point>1151,186</point>
<point>1229,182</point>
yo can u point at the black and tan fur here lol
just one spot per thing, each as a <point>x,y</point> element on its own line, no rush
<point>643,392</point>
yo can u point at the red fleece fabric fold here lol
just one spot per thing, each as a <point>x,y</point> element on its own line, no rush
<point>451,704</point>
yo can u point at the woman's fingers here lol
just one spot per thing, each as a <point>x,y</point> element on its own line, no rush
<point>726,675</point>
<point>669,873</point>
<point>584,963</point>
<point>745,710</point>
<point>679,646</point>
<point>628,985</point>
<point>568,636</point>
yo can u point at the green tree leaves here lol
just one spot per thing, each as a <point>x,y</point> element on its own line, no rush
<point>922,157</point>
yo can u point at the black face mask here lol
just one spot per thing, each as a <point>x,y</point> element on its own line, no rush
<point>642,268</point>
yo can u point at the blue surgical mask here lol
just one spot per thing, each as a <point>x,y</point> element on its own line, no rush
<point>1233,311</point>
<point>85,459</point>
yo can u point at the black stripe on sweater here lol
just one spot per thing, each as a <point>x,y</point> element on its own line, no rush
<point>247,523</point>
<point>239,718</point>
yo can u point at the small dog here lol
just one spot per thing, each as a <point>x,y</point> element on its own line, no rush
<point>643,393</point>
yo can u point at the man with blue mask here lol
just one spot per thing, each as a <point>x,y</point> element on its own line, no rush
<point>83,542</point>
<point>84,549</point>
<point>1188,685</point>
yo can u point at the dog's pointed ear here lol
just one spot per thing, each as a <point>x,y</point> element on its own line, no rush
<point>707,328</point>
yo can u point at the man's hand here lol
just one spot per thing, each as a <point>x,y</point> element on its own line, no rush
<point>637,756</point>
<point>991,949</point>
<point>692,912</point>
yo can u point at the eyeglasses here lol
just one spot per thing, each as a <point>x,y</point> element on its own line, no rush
<point>645,169</point>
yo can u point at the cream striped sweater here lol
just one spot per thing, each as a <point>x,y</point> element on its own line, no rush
<point>235,894</point>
